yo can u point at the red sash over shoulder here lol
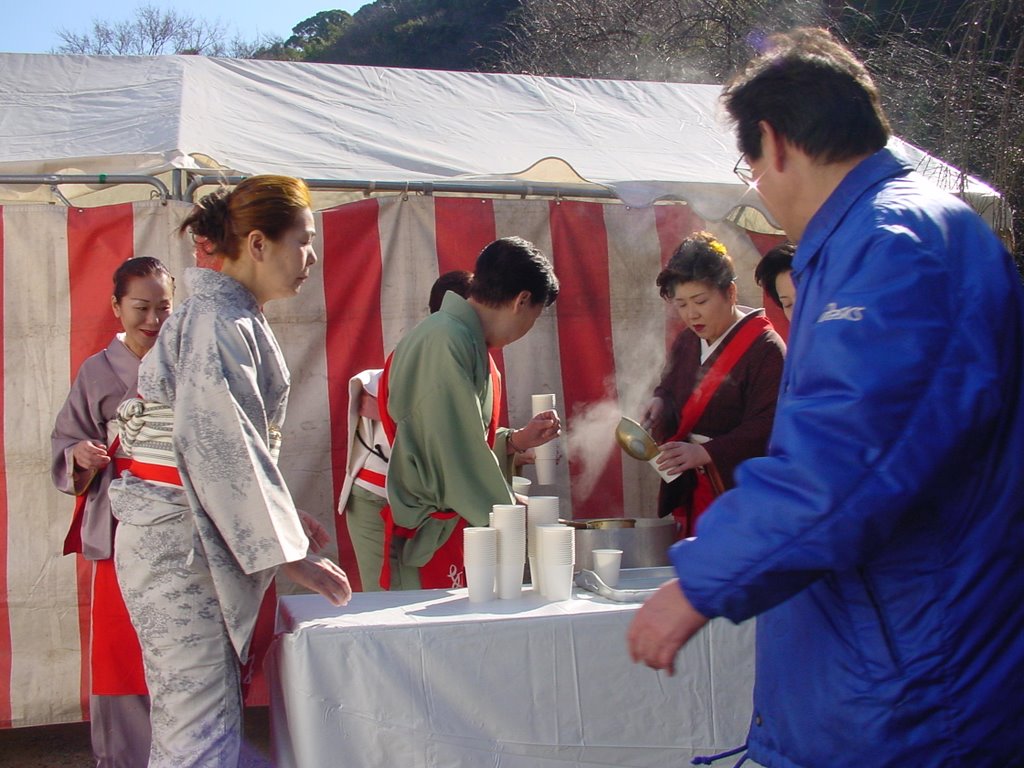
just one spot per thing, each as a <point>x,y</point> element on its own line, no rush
<point>445,569</point>
<point>708,483</point>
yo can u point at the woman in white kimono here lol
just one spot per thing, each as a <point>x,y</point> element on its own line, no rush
<point>205,517</point>
<point>85,459</point>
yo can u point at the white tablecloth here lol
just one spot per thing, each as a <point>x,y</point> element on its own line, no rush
<point>427,679</point>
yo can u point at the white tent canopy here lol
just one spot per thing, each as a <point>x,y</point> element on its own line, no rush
<point>150,115</point>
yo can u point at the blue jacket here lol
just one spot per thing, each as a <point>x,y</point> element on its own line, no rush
<point>881,541</point>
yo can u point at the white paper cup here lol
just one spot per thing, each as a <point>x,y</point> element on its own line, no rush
<point>664,473</point>
<point>480,581</point>
<point>607,563</point>
<point>510,579</point>
<point>545,468</point>
<point>542,510</point>
<point>555,553</point>
<point>541,403</point>
<point>521,485</point>
<point>535,576</point>
<point>558,581</point>
<point>480,545</point>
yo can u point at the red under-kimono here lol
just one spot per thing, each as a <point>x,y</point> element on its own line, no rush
<point>739,416</point>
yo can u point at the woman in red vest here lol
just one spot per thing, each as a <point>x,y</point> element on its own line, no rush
<point>715,404</point>
<point>86,458</point>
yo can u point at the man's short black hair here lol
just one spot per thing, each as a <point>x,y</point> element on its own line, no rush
<point>813,92</point>
<point>774,263</point>
<point>511,265</point>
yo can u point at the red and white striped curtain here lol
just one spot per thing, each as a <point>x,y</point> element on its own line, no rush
<point>599,349</point>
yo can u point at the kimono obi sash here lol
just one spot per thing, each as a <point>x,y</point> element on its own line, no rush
<point>147,431</point>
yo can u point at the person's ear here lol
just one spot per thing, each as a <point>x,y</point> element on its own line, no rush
<point>523,300</point>
<point>116,307</point>
<point>773,146</point>
<point>256,242</point>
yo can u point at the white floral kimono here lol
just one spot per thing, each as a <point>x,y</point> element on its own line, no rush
<point>194,559</point>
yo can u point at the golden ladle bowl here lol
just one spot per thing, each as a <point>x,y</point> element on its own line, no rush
<point>635,440</point>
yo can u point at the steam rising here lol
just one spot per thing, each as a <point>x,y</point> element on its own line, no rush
<point>590,437</point>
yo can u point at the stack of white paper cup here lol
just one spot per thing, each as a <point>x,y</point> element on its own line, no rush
<point>557,547</point>
<point>545,455</point>
<point>510,522</point>
<point>521,485</point>
<point>480,555</point>
<point>542,510</point>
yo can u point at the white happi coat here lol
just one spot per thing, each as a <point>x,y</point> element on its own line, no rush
<point>371,434</point>
<point>218,365</point>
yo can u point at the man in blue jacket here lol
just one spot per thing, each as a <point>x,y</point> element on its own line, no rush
<point>881,541</point>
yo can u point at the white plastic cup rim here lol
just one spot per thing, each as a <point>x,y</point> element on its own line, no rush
<point>505,509</point>
<point>543,402</point>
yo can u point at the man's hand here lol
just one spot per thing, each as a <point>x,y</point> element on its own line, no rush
<point>317,533</point>
<point>320,575</point>
<point>541,429</point>
<point>662,626</point>
<point>529,456</point>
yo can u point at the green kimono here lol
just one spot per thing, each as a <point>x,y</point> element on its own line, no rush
<point>440,398</point>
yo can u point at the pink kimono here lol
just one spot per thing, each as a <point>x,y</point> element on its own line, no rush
<point>119,705</point>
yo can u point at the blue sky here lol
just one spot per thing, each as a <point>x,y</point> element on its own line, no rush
<point>30,26</point>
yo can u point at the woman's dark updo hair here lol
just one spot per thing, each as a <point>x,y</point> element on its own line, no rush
<point>268,203</point>
<point>140,266</point>
<point>701,258</point>
<point>777,261</point>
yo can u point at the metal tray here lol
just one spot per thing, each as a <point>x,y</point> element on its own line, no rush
<point>635,584</point>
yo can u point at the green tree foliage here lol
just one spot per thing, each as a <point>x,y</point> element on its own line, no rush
<point>427,34</point>
<point>310,38</point>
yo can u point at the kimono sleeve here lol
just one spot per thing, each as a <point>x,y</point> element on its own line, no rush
<point>760,393</point>
<point>80,418</point>
<point>222,435</point>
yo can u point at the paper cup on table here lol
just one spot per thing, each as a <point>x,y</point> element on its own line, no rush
<point>521,485</point>
<point>510,523</point>
<point>607,563</point>
<point>556,550</point>
<point>542,510</point>
<point>536,569</point>
<point>480,556</point>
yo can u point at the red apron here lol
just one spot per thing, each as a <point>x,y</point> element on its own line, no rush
<point>446,569</point>
<point>115,658</point>
<point>709,484</point>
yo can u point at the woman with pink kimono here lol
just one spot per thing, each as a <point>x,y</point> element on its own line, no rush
<point>86,457</point>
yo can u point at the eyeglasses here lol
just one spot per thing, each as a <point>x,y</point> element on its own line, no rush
<point>743,171</point>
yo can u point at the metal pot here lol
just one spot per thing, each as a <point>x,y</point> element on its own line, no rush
<point>602,523</point>
<point>644,544</point>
